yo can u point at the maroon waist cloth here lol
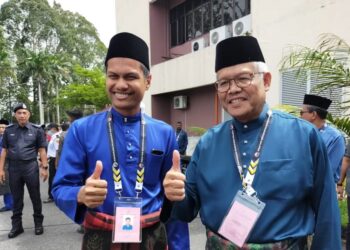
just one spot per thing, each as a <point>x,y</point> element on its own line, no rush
<point>102,221</point>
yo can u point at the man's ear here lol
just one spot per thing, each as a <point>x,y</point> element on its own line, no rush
<point>267,81</point>
<point>148,81</point>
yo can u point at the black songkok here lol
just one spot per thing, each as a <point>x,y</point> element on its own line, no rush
<point>129,46</point>
<point>5,122</point>
<point>317,101</point>
<point>237,50</point>
<point>20,106</point>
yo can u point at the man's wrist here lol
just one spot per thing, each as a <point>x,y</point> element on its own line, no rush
<point>339,184</point>
<point>45,167</point>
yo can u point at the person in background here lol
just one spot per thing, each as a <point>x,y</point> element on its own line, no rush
<point>64,130</point>
<point>5,188</point>
<point>345,173</point>
<point>265,172</point>
<point>181,138</point>
<point>53,131</point>
<point>74,114</point>
<point>21,144</point>
<point>315,111</point>
<point>116,154</point>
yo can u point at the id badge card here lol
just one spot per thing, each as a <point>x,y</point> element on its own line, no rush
<point>127,220</point>
<point>241,218</point>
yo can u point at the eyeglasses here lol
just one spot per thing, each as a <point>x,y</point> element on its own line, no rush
<point>241,81</point>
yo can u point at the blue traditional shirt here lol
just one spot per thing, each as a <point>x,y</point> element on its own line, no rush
<point>293,178</point>
<point>335,144</point>
<point>87,141</point>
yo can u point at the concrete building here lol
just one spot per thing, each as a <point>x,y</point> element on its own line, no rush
<point>182,35</point>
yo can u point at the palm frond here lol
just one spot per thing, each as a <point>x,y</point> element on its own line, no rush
<point>329,60</point>
<point>342,123</point>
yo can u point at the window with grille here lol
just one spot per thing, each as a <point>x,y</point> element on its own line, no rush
<point>194,18</point>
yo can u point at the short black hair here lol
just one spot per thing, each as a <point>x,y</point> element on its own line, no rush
<point>64,126</point>
<point>3,121</point>
<point>52,125</point>
<point>75,114</point>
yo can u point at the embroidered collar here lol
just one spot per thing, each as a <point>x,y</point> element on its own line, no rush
<point>119,118</point>
<point>251,125</point>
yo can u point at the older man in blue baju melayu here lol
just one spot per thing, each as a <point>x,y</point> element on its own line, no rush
<point>268,157</point>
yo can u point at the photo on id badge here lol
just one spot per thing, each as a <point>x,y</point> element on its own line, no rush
<point>127,223</point>
<point>127,227</point>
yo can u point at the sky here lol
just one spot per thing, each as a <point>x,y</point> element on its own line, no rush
<point>101,13</point>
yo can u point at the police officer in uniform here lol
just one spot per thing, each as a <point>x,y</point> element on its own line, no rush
<point>21,144</point>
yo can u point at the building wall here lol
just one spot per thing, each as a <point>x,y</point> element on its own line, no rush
<point>201,104</point>
<point>133,16</point>
<point>277,24</point>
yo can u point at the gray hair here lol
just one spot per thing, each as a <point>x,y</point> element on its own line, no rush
<point>261,67</point>
<point>145,71</point>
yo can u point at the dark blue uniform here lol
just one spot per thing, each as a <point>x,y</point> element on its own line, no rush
<point>22,145</point>
<point>182,141</point>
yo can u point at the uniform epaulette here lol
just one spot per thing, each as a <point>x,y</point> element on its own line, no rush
<point>36,125</point>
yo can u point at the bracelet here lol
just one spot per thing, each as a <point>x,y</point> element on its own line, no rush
<point>339,184</point>
<point>45,167</point>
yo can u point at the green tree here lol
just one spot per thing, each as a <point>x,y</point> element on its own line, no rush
<point>46,70</point>
<point>6,78</point>
<point>330,60</point>
<point>91,92</point>
<point>43,42</point>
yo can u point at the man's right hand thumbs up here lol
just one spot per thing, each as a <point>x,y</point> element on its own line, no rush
<point>174,181</point>
<point>94,192</point>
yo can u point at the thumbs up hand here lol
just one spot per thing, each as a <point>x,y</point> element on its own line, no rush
<point>174,181</point>
<point>94,192</point>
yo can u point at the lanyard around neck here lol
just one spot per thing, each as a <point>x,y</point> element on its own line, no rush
<point>247,180</point>
<point>118,187</point>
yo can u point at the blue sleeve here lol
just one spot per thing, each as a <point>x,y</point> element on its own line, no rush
<point>70,176</point>
<point>178,235</point>
<point>336,153</point>
<point>41,139</point>
<point>5,140</point>
<point>324,200</point>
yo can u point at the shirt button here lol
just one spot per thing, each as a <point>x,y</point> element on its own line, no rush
<point>244,166</point>
<point>128,131</point>
<point>244,153</point>
<point>129,144</point>
<point>130,157</point>
<point>245,141</point>
<point>245,126</point>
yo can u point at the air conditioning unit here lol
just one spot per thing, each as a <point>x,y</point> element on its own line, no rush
<point>242,26</point>
<point>180,102</point>
<point>197,44</point>
<point>219,34</point>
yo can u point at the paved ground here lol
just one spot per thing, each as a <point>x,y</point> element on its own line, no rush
<point>60,233</point>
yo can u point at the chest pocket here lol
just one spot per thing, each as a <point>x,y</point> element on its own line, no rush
<point>29,138</point>
<point>279,179</point>
<point>12,139</point>
<point>153,168</point>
